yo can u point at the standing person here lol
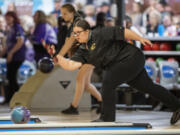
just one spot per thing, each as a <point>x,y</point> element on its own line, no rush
<point>43,32</point>
<point>122,62</point>
<point>15,50</point>
<point>83,80</point>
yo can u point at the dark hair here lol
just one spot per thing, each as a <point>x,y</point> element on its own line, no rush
<point>83,24</point>
<point>69,7</point>
<point>100,18</point>
<point>41,17</point>
<point>14,16</point>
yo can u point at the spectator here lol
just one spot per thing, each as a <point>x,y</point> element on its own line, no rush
<point>170,29</point>
<point>15,49</point>
<point>154,21</point>
<point>128,24</point>
<point>100,20</point>
<point>52,20</point>
<point>89,11</point>
<point>57,6</point>
<point>43,32</point>
<point>136,15</point>
<point>110,22</point>
<point>28,26</point>
<point>105,7</point>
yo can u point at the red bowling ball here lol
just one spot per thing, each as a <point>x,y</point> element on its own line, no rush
<point>165,47</point>
<point>156,47</point>
<point>171,59</point>
<point>147,48</point>
<point>150,59</point>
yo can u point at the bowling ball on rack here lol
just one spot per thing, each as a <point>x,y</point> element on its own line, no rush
<point>150,59</point>
<point>147,48</point>
<point>156,47</point>
<point>159,59</point>
<point>46,65</point>
<point>20,115</point>
<point>171,59</point>
<point>165,47</point>
<point>178,79</point>
<point>178,47</point>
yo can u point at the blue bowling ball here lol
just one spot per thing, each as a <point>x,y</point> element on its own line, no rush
<point>46,65</point>
<point>20,115</point>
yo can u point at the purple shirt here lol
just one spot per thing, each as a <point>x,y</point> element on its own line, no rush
<point>44,32</point>
<point>12,35</point>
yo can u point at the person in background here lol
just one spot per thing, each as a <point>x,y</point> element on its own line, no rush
<point>15,50</point>
<point>110,22</point>
<point>83,82</point>
<point>154,23</point>
<point>57,6</point>
<point>100,20</point>
<point>128,24</point>
<point>52,20</point>
<point>43,32</point>
<point>136,14</point>
<point>105,7</point>
<point>89,11</point>
<point>170,28</point>
<point>27,24</point>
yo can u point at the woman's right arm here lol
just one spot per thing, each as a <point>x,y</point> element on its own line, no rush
<point>68,64</point>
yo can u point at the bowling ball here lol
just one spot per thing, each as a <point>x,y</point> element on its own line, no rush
<point>20,115</point>
<point>159,59</point>
<point>147,48</point>
<point>178,47</point>
<point>171,59</point>
<point>46,65</point>
<point>150,59</point>
<point>156,47</point>
<point>165,47</point>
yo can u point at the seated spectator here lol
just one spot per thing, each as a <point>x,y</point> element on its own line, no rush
<point>170,29</point>
<point>154,23</point>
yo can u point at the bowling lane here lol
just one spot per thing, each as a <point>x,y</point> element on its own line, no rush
<point>69,128</point>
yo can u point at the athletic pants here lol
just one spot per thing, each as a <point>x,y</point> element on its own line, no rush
<point>12,68</point>
<point>132,72</point>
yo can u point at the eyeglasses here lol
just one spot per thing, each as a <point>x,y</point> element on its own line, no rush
<point>75,34</point>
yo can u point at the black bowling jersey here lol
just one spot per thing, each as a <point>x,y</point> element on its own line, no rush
<point>107,46</point>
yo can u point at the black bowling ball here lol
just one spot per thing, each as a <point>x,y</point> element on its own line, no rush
<point>45,65</point>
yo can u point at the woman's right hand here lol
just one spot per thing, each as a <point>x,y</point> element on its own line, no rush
<point>50,48</point>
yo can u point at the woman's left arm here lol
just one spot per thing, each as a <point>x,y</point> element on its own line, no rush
<point>130,35</point>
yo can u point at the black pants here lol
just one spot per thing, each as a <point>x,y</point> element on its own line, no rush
<point>132,72</point>
<point>13,86</point>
